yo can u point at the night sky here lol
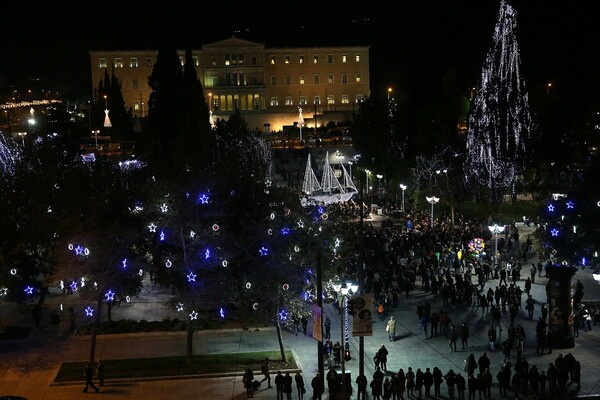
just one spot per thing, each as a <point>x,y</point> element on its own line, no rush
<point>410,40</point>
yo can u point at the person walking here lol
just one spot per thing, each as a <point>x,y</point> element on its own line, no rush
<point>89,375</point>
<point>453,334</point>
<point>247,380</point>
<point>100,371</point>
<point>391,328</point>
<point>300,385</point>
<point>264,368</point>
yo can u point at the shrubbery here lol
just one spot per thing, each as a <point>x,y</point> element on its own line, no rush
<point>129,326</point>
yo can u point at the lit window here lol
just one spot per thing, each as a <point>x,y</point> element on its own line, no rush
<point>181,61</point>
<point>240,58</point>
<point>330,78</point>
<point>118,63</point>
<point>136,106</point>
<point>302,100</point>
<point>315,59</point>
<point>286,59</point>
<point>344,58</point>
<point>316,79</point>
<point>357,58</point>
<point>344,78</point>
<point>273,80</point>
<point>272,60</point>
<point>274,102</point>
<point>226,59</point>
<point>133,62</point>
<point>288,80</point>
<point>242,78</point>
<point>345,99</point>
<point>359,98</point>
<point>330,99</point>
<point>213,61</point>
<point>301,59</point>
<point>135,83</point>
<point>317,100</point>
<point>288,101</point>
<point>196,61</point>
<point>358,78</point>
<point>102,63</point>
<point>329,58</point>
<point>148,61</point>
<point>302,79</point>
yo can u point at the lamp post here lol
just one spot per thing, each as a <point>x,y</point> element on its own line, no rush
<point>95,132</point>
<point>344,290</point>
<point>403,187</point>
<point>432,200</point>
<point>350,168</point>
<point>22,136</point>
<point>389,92</point>
<point>496,229</point>
<point>367,172</point>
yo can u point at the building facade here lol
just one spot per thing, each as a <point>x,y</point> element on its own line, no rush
<point>267,85</point>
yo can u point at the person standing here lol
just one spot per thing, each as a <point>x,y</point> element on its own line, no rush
<point>89,375</point>
<point>453,334</point>
<point>287,386</point>
<point>391,328</point>
<point>438,378</point>
<point>247,380</point>
<point>361,383</point>
<point>382,354</point>
<point>300,385</point>
<point>317,386</point>
<point>463,332</point>
<point>327,328</point>
<point>264,368</point>
<point>100,371</point>
<point>279,385</point>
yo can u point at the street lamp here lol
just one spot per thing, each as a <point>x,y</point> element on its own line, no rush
<point>496,229</point>
<point>403,187</point>
<point>344,290</point>
<point>367,172</point>
<point>379,176</point>
<point>350,168</point>
<point>95,133</point>
<point>389,92</point>
<point>548,87</point>
<point>432,200</point>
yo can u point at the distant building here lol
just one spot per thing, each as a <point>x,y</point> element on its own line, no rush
<point>267,85</point>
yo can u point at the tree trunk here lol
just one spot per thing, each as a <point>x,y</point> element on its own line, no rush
<point>94,331</point>
<point>109,311</point>
<point>189,343</point>
<point>280,339</point>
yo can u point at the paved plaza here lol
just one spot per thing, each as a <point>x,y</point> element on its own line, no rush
<point>28,367</point>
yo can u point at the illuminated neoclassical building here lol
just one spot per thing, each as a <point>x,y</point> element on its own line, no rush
<point>267,85</point>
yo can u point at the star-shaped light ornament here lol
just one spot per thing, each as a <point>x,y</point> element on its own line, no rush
<point>124,263</point>
<point>337,242</point>
<point>73,286</point>
<point>110,295</point>
<point>193,315</point>
<point>570,204</point>
<point>79,250</point>
<point>263,251</point>
<point>89,312</point>
<point>3,292</point>
<point>28,290</point>
<point>162,236</point>
<point>152,227</point>
<point>179,307</point>
<point>203,198</point>
<point>164,208</point>
<point>554,232</point>
<point>551,207</point>
<point>191,277</point>
<point>206,254</point>
<point>222,312</point>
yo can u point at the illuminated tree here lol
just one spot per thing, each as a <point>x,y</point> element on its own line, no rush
<point>500,122</point>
